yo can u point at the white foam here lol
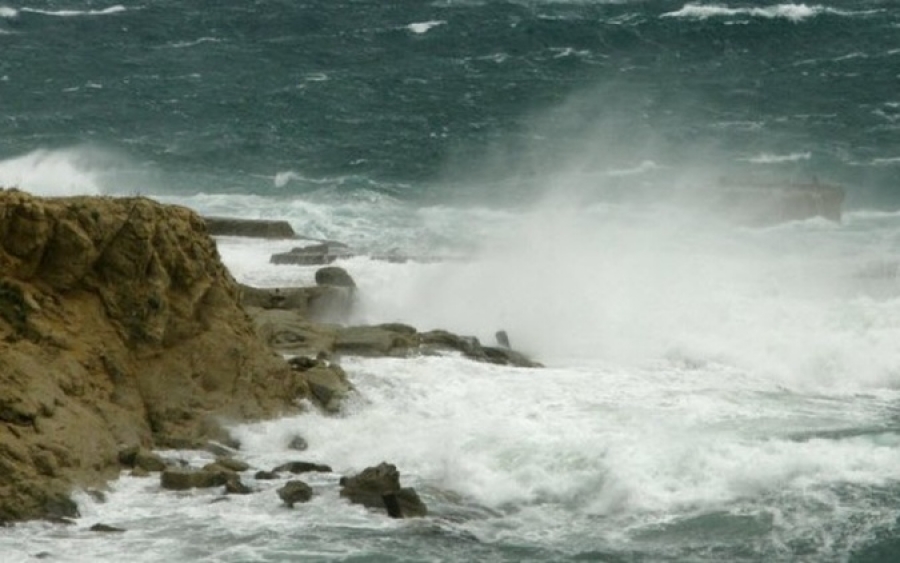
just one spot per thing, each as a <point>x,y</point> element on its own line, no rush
<point>75,13</point>
<point>769,158</point>
<point>793,12</point>
<point>7,12</point>
<point>53,172</point>
<point>424,27</point>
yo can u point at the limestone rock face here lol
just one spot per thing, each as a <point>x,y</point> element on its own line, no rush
<point>119,326</point>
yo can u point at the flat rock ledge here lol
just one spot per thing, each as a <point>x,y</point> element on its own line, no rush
<point>256,228</point>
<point>119,326</point>
<point>293,334</point>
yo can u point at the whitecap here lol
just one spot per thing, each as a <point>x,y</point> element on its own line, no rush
<point>184,44</point>
<point>424,27</point>
<point>792,12</point>
<point>641,168</point>
<point>118,8</point>
<point>892,161</point>
<point>282,178</point>
<point>7,12</point>
<point>769,158</point>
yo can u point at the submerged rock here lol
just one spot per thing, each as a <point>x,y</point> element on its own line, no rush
<point>298,443</point>
<point>106,528</point>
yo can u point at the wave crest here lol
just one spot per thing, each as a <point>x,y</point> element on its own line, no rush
<point>792,12</point>
<point>73,13</point>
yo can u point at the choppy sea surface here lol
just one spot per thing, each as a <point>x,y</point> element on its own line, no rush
<point>713,392</point>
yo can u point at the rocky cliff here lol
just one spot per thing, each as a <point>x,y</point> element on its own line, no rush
<point>119,326</point>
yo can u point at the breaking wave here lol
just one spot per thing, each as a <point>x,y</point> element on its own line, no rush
<point>792,12</point>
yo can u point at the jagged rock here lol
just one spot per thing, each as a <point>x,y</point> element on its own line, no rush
<point>298,467</point>
<point>119,324</point>
<point>293,492</point>
<point>379,488</point>
<point>313,255</point>
<point>105,528</point>
<point>470,347</point>
<point>257,228</point>
<point>265,475</point>
<point>328,386</point>
<point>334,276</point>
<point>183,479</point>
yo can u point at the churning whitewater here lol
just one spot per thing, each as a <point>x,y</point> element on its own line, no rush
<point>714,390</point>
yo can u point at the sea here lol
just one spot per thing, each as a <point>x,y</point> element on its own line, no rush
<point>713,391</point>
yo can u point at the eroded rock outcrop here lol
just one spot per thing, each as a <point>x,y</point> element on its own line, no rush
<point>119,326</point>
<point>379,487</point>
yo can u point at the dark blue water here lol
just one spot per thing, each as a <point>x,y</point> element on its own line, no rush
<point>492,99</point>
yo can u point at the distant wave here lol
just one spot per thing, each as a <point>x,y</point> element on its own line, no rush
<point>793,12</point>
<point>7,12</point>
<point>73,13</point>
<point>767,158</point>
<point>645,166</point>
<point>893,161</point>
<point>424,27</point>
<point>194,43</point>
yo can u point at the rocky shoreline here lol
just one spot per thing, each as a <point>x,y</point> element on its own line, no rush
<point>122,332</point>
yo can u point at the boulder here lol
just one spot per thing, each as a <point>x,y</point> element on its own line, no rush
<point>379,487</point>
<point>334,276</point>
<point>232,464</point>
<point>328,386</point>
<point>265,475</point>
<point>297,467</point>
<point>119,324</point>
<point>293,492</point>
<point>184,479</point>
<point>257,228</point>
